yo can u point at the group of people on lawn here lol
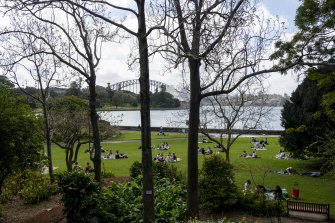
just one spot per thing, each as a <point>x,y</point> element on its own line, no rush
<point>260,190</point>
<point>117,155</point>
<point>169,158</point>
<point>209,151</point>
<point>246,155</point>
<point>163,146</point>
<point>259,145</point>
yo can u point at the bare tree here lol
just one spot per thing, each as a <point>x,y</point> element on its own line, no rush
<point>23,54</point>
<point>244,108</point>
<point>219,44</point>
<point>77,45</point>
<point>138,11</point>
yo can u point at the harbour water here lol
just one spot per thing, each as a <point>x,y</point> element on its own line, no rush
<point>177,118</point>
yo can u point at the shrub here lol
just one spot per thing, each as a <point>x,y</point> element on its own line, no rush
<point>83,199</point>
<point>125,201</point>
<point>36,187</point>
<point>160,170</point>
<point>167,170</point>
<point>260,206</point>
<point>169,201</point>
<point>216,185</point>
<point>135,170</point>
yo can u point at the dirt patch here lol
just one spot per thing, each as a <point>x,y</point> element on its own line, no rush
<point>48,211</point>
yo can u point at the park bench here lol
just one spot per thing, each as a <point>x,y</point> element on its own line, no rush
<point>308,207</point>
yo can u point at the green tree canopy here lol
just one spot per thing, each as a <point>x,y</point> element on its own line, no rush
<point>164,99</point>
<point>21,138</point>
<point>304,117</point>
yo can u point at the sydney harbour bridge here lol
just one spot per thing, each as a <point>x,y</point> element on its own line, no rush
<point>134,86</point>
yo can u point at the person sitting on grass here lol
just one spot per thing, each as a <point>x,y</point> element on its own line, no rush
<point>244,154</point>
<point>174,157</point>
<point>278,193</point>
<point>119,155</point>
<point>88,168</point>
<point>209,151</point>
<point>76,167</point>
<point>254,155</point>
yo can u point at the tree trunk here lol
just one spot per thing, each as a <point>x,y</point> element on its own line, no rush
<point>192,185</point>
<point>95,127</point>
<point>48,141</point>
<point>148,186</point>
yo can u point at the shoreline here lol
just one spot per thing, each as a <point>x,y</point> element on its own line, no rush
<point>256,132</point>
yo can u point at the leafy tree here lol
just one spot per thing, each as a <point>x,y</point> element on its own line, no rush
<point>73,90</point>
<point>312,45</point>
<point>164,99</point>
<point>68,120</point>
<point>4,82</point>
<point>304,119</point>
<point>21,138</point>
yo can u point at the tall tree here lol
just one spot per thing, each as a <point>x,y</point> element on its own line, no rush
<point>220,44</point>
<point>138,11</point>
<point>21,138</point>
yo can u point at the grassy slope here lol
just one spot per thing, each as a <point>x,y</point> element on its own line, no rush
<point>319,189</point>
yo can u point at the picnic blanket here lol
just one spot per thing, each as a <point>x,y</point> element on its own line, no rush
<point>311,174</point>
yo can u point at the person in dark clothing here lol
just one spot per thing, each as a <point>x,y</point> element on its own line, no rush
<point>278,193</point>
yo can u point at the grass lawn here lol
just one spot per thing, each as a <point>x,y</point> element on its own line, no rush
<point>312,189</point>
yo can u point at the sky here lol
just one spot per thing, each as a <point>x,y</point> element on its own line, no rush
<point>113,67</point>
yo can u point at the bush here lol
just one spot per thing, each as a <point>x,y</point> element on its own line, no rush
<point>125,201</point>
<point>36,187</point>
<point>135,170</point>
<point>167,170</point>
<point>259,206</point>
<point>83,198</point>
<point>169,201</point>
<point>160,170</point>
<point>216,185</point>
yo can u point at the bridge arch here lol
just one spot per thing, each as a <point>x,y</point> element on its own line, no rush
<point>134,85</point>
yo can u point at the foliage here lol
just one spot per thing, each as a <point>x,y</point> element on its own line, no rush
<point>123,98</point>
<point>84,200</point>
<point>312,43</point>
<point>259,206</point>
<point>68,119</point>
<point>169,200</point>
<point>82,197</point>
<point>160,170</point>
<point>36,187</point>
<point>21,139</point>
<point>216,185</point>
<point>164,99</point>
<point>125,201</point>
<point>304,119</point>
<point>135,169</point>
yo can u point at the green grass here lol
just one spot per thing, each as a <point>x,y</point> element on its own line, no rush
<point>313,189</point>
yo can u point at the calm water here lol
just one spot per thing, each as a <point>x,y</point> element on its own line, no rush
<point>177,118</point>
